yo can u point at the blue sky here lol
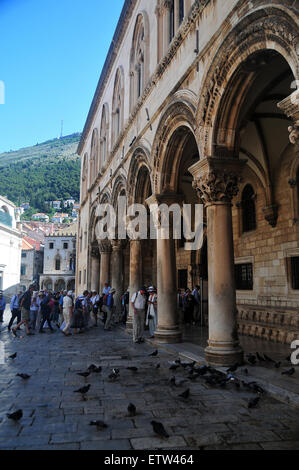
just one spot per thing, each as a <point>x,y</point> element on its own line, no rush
<point>51,56</point>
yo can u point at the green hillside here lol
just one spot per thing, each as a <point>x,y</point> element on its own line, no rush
<point>45,172</point>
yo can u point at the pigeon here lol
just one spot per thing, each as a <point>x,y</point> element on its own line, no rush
<point>233,368</point>
<point>97,370</point>
<point>133,369</point>
<point>174,367</point>
<point>178,361</point>
<point>188,364</point>
<point>185,394</point>
<point>98,424</point>
<point>202,370</point>
<point>132,409</point>
<point>23,376</point>
<point>289,372</point>
<point>83,390</point>
<point>277,365</point>
<point>16,415</point>
<point>155,353</point>
<point>113,376</point>
<point>158,365</point>
<point>253,402</point>
<point>92,368</point>
<point>260,358</point>
<point>268,358</point>
<point>251,359</point>
<point>245,371</point>
<point>13,356</point>
<point>256,388</point>
<point>159,429</point>
<point>115,371</point>
<point>84,374</point>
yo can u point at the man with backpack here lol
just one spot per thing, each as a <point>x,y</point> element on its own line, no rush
<point>15,310</point>
<point>25,304</point>
<point>138,302</point>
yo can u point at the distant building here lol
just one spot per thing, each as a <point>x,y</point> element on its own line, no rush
<point>59,217</point>
<point>60,261</point>
<point>10,247</point>
<point>32,259</point>
<point>25,205</point>
<point>40,217</point>
<point>69,202</point>
<point>56,204</point>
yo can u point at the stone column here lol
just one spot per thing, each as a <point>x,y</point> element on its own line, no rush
<point>105,250</point>
<point>216,181</point>
<point>135,275</point>
<point>95,269</point>
<point>168,329</point>
<point>117,272</point>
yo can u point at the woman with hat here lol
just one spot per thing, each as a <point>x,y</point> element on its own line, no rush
<point>151,317</point>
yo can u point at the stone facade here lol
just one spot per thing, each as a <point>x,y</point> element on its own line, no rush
<point>10,248</point>
<point>196,104</point>
<point>59,263</point>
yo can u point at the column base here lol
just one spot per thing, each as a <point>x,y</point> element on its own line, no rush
<point>224,354</point>
<point>168,336</point>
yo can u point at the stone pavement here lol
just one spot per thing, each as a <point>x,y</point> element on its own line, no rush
<point>56,418</point>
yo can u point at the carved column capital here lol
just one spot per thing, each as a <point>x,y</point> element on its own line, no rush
<point>95,252</point>
<point>290,107</point>
<point>104,246</point>
<point>271,214</point>
<point>118,245</point>
<point>217,179</point>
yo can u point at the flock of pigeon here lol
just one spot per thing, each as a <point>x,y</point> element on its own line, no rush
<point>210,375</point>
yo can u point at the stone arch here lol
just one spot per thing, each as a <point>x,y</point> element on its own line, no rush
<point>104,137</point>
<point>84,173</point>
<point>71,285</point>
<point>139,57</point>
<point>119,187</point>
<point>47,284</point>
<point>59,285</point>
<point>118,105</point>
<point>140,159</point>
<point>94,155</point>
<point>179,114</point>
<point>267,28</point>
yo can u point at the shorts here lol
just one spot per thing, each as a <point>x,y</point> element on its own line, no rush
<point>25,314</point>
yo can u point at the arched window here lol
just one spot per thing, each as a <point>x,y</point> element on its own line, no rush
<point>117,105</point>
<point>171,20</point>
<point>57,263</point>
<point>94,164</point>
<point>84,173</point>
<point>139,60</point>
<point>248,209</point>
<point>104,136</point>
<point>181,11</point>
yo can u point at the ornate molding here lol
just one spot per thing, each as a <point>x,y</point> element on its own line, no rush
<point>290,107</point>
<point>217,179</point>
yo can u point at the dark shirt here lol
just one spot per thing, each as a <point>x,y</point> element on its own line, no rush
<point>26,300</point>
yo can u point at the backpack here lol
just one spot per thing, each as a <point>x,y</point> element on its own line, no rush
<point>105,299</point>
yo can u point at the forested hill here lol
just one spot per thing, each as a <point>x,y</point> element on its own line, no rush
<point>45,172</point>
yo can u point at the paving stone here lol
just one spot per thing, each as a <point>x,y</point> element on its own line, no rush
<point>144,443</point>
<point>280,445</point>
<point>116,444</point>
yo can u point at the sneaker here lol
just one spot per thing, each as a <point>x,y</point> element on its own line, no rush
<point>14,332</point>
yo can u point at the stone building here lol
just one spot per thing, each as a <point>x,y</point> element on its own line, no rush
<point>10,248</point>
<point>32,259</point>
<point>197,102</point>
<point>59,261</point>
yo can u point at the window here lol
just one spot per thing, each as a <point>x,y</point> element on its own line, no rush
<point>171,21</point>
<point>84,276</point>
<point>295,272</point>
<point>243,276</point>
<point>57,264</point>
<point>138,59</point>
<point>104,135</point>
<point>181,11</point>
<point>51,246</point>
<point>248,209</point>
<point>24,255</point>
<point>80,277</point>
<point>65,246</point>
<point>117,105</point>
<point>23,270</point>
<point>84,173</point>
<point>94,163</point>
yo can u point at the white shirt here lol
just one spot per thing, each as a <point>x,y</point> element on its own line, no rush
<point>67,303</point>
<point>138,300</point>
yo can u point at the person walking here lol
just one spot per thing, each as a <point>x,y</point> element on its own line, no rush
<point>151,317</point>
<point>45,313</point>
<point>2,306</point>
<point>95,303</point>
<point>33,311</point>
<point>109,310</point>
<point>125,299</point>
<point>138,303</point>
<point>78,320</point>
<point>188,307</point>
<point>68,312</point>
<point>25,303</point>
<point>15,310</point>
<point>196,311</point>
